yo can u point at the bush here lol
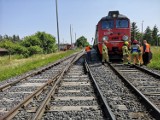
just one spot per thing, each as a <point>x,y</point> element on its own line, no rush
<point>48,42</point>
<point>35,50</point>
<point>31,41</point>
<point>15,48</point>
<point>155,62</point>
<point>38,43</point>
<point>20,49</point>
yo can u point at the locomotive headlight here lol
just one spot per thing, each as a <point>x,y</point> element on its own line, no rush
<point>114,15</point>
<point>125,37</point>
<point>105,38</point>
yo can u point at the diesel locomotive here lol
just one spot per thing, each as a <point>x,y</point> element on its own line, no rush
<point>114,29</point>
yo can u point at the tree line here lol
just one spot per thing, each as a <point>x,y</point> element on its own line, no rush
<point>44,43</point>
<point>151,35</point>
<point>38,43</point>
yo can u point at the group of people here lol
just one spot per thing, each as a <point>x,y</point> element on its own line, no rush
<point>136,54</point>
<point>105,57</point>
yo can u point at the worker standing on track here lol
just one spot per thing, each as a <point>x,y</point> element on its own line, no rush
<point>125,53</point>
<point>146,53</point>
<point>140,54</point>
<point>104,53</point>
<point>135,51</point>
<point>88,50</point>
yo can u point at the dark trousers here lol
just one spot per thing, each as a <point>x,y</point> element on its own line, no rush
<point>146,58</point>
<point>89,56</point>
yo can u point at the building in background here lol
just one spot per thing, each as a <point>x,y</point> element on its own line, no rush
<point>3,51</point>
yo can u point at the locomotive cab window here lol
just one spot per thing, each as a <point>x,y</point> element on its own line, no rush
<point>122,24</point>
<point>107,24</point>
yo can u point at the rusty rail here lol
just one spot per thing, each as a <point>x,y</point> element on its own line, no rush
<point>104,105</point>
<point>43,106</point>
<point>26,101</point>
<point>12,112</point>
<point>154,111</point>
<point>8,85</point>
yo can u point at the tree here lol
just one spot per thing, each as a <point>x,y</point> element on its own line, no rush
<point>15,38</point>
<point>148,35</point>
<point>1,38</point>
<point>155,35</point>
<point>82,42</point>
<point>6,37</point>
<point>35,50</point>
<point>48,42</point>
<point>38,43</point>
<point>31,41</point>
<point>45,41</point>
<point>139,36</point>
<point>14,48</point>
<point>21,50</point>
<point>158,39</point>
<point>135,34</point>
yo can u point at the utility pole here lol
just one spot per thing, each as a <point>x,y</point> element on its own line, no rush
<point>63,40</point>
<point>75,40</point>
<point>92,40</point>
<point>57,25</point>
<point>75,37</point>
<point>71,33</point>
<point>142,32</point>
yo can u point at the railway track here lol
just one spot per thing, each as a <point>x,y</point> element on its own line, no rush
<point>123,102</point>
<point>145,83</point>
<point>15,94</point>
<point>74,98</point>
<point>70,95</point>
<point>64,91</point>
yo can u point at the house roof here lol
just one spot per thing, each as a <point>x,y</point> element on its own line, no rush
<point>3,50</point>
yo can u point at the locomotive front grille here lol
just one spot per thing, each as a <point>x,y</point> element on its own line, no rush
<point>114,49</point>
<point>115,38</point>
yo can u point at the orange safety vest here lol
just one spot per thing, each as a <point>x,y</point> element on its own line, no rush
<point>87,49</point>
<point>147,48</point>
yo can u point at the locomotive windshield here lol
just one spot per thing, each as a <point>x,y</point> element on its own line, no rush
<point>122,23</point>
<point>107,24</point>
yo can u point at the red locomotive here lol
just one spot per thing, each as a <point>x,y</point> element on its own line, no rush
<point>115,29</point>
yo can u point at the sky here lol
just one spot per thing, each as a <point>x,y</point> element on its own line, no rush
<point>26,17</point>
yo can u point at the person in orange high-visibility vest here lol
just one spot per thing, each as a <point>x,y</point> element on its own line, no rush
<point>88,50</point>
<point>141,54</point>
<point>146,52</point>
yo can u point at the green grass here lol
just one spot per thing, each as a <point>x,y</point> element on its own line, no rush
<point>155,62</point>
<point>17,65</point>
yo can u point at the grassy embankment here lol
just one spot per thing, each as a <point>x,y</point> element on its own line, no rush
<point>155,62</point>
<point>16,65</point>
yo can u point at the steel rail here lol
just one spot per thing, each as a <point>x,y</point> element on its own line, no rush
<point>155,75</point>
<point>26,101</point>
<point>8,85</point>
<point>154,111</point>
<point>104,105</point>
<point>12,112</point>
<point>44,106</point>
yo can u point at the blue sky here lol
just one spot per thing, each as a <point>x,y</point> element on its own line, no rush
<point>25,17</point>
